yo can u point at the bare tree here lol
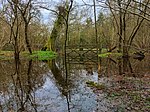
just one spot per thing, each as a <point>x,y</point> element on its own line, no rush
<point>124,9</point>
<point>26,9</point>
<point>11,17</point>
<point>95,19</point>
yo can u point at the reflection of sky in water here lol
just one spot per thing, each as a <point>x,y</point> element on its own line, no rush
<point>50,99</point>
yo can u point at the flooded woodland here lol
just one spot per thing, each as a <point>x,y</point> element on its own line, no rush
<point>74,55</point>
<point>44,86</point>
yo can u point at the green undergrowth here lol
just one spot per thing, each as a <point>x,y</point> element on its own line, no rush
<point>95,85</point>
<point>110,54</point>
<point>40,55</point>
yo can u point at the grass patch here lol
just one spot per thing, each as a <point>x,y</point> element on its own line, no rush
<point>40,55</point>
<point>43,55</point>
<point>110,54</point>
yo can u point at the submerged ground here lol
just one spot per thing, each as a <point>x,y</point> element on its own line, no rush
<point>44,86</point>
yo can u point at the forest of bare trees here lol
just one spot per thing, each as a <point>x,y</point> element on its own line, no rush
<point>75,55</point>
<point>120,24</point>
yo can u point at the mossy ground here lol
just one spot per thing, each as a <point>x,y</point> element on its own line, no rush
<point>40,55</point>
<point>95,85</point>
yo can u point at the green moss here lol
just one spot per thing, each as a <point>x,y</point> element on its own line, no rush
<point>110,54</point>
<point>91,83</point>
<point>95,85</point>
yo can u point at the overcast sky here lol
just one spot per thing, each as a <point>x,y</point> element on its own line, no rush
<point>47,15</point>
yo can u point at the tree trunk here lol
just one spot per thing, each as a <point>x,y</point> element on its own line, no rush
<point>50,45</point>
<point>16,49</point>
<point>125,47</point>
<point>26,38</point>
<point>120,24</point>
<point>53,37</point>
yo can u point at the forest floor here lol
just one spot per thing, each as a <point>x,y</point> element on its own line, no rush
<point>125,94</point>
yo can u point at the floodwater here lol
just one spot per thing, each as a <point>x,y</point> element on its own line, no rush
<point>46,86</point>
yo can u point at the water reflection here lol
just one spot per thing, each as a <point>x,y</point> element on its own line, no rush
<point>23,91</point>
<point>62,80</point>
<point>125,66</point>
<point>36,86</point>
<point>18,86</point>
<point>72,86</point>
<point>43,86</point>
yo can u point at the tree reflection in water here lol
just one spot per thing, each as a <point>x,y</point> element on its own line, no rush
<point>46,86</point>
<point>19,84</point>
<point>62,79</point>
<point>23,96</point>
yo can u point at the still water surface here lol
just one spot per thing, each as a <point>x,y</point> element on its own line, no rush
<point>44,86</point>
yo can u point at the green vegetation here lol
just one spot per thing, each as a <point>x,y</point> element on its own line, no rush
<point>110,54</point>
<point>43,55</point>
<point>40,55</point>
<point>95,85</point>
<point>77,31</point>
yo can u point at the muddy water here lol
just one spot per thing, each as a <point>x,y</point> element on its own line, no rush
<point>44,86</point>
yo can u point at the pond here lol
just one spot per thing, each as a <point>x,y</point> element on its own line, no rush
<point>46,86</point>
